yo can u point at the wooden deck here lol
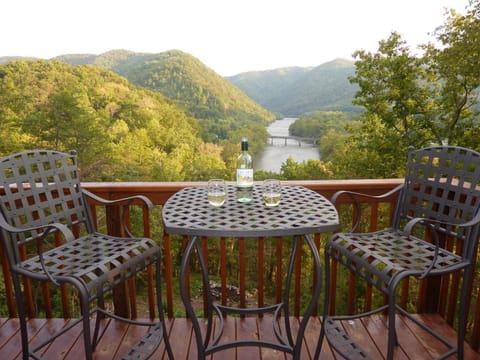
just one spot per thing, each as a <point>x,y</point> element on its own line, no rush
<point>117,338</point>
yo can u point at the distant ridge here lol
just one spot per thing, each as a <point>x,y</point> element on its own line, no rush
<point>296,91</point>
<point>181,78</point>
<point>7,59</point>
<point>289,91</point>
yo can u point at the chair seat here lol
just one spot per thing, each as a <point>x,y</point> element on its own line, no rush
<point>96,260</point>
<point>380,256</point>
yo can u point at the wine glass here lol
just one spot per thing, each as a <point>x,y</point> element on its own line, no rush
<point>271,192</point>
<point>216,192</point>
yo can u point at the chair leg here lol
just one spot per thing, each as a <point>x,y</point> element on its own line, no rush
<point>392,332</point>
<point>160,308</point>
<point>326,305</point>
<point>22,316</point>
<point>84,308</point>
<point>98,316</point>
<point>462,315</point>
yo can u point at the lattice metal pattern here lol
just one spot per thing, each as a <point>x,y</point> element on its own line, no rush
<point>147,345</point>
<point>41,187</point>
<point>442,186</point>
<point>379,256</point>
<point>442,183</point>
<point>99,261</point>
<point>42,195</point>
<point>300,211</point>
<point>342,342</point>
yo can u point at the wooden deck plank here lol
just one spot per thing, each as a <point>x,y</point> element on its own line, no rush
<point>7,332</point>
<point>39,329</point>
<point>247,330</point>
<point>415,340</point>
<point>180,335</point>
<point>130,338</point>
<point>358,332</point>
<point>305,352</point>
<point>229,334</point>
<point>311,338</point>
<point>61,347</point>
<point>377,329</point>
<point>435,320</point>
<point>266,333</point>
<point>117,338</point>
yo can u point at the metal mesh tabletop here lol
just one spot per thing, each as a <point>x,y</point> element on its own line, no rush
<point>301,211</point>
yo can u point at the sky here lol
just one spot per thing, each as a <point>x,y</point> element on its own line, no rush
<point>228,36</point>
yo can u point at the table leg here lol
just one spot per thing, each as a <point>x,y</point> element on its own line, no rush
<point>317,288</point>
<point>286,295</point>
<point>208,294</point>
<point>186,299</point>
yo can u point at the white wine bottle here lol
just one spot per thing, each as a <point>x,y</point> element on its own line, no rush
<point>244,175</point>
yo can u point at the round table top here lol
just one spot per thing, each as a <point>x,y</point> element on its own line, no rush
<point>301,211</point>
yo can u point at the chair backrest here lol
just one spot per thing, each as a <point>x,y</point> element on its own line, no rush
<point>443,183</point>
<point>40,187</point>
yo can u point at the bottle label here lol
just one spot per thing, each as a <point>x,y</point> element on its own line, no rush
<point>244,177</point>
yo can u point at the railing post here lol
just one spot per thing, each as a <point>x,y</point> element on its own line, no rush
<point>114,228</point>
<point>12,312</point>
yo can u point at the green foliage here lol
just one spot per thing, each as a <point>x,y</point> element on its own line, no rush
<point>454,69</point>
<point>413,101</point>
<point>225,113</point>
<point>120,131</point>
<point>306,170</point>
<point>190,84</point>
<point>317,124</point>
<point>393,88</point>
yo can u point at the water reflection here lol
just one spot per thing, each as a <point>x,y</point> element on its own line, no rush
<point>275,154</point>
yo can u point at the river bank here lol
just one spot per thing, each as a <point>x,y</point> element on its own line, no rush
<point>276,152</point>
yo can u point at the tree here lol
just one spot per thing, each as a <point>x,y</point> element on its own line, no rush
<point>414,101</point>
<point>393,88</point>
<point>395,95</point>
<point>306,170</point>
<point>120,131</point>
<point>454,66</point>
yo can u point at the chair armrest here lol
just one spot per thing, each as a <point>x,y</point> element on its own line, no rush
<point>45,230</point>
<point>67,234</point>
<point>433,224</point>
<point>426,221</point>
<point>355,195</point>
<point>128,200</point>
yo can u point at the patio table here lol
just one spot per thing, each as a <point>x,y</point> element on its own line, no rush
<point>301,213</point>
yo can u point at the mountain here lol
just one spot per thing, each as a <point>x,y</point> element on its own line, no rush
<point>296,91</point>
<point>261,85</point>
<point>183,79</point>
<point>7,59</point>
<point>120,131</point>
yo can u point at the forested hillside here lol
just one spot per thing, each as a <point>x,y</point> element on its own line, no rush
<point>292,91</point>
<point>120,131</point>
<point>188,83</point>
<point>297,91</point>
<point>263,85</point>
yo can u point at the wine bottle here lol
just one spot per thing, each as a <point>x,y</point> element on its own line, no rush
<point>244,175</point>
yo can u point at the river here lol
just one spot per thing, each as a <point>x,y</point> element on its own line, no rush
<point>275,154</point>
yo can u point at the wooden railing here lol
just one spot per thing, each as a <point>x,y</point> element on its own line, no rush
<point>231,262</point>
